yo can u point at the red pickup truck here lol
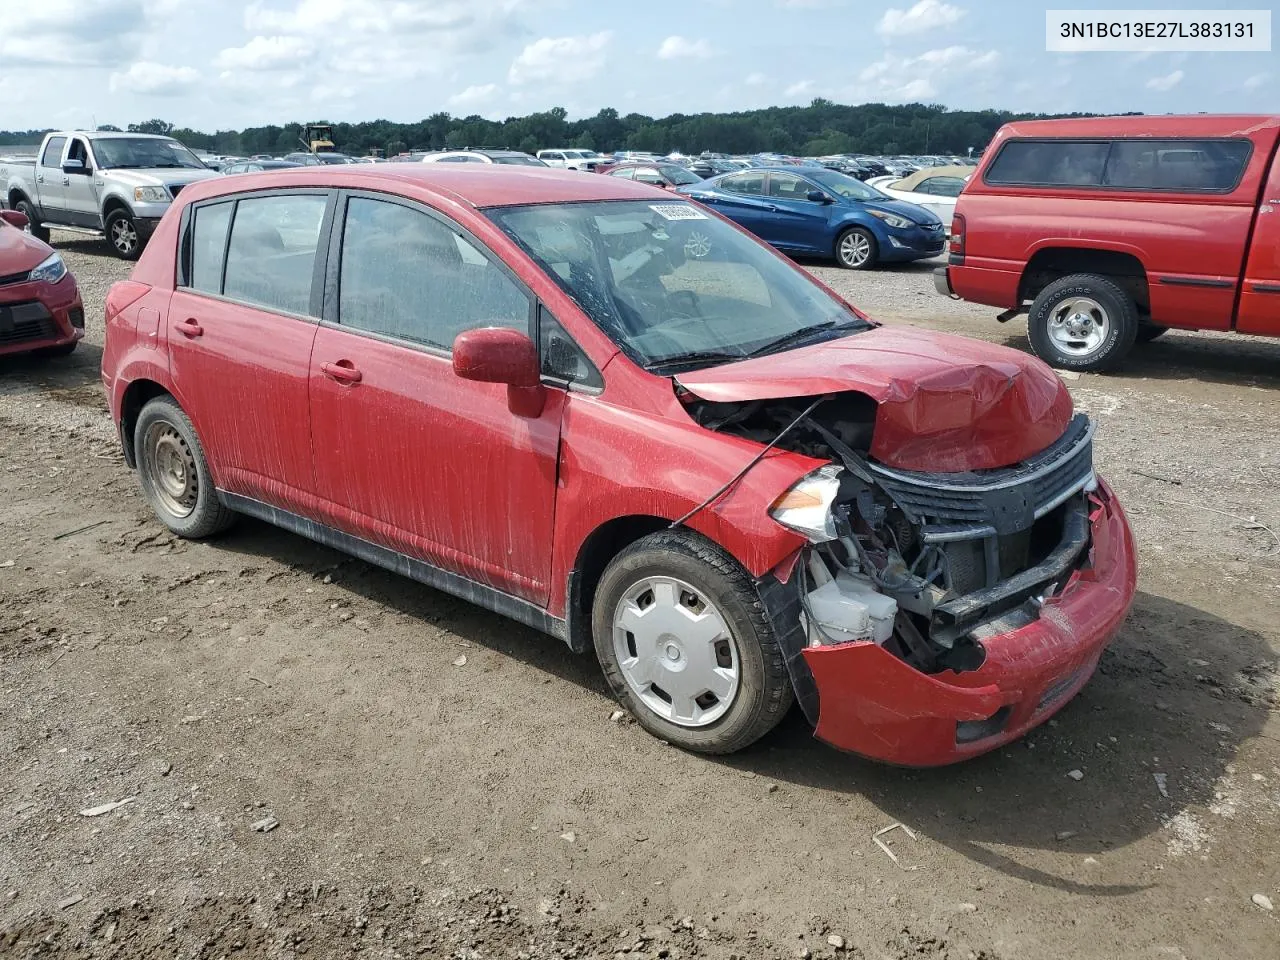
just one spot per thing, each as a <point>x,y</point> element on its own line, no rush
<point>1110,230</point>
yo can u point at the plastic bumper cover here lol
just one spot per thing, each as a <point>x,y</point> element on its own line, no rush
<point>942,282</point>
<point>871,703</point>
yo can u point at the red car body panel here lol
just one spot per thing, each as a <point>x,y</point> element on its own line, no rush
<point>1200,250</point>
<point>946,403</point>
<point>34,314</point>
<point>903,716</point>
<point>454,473</point>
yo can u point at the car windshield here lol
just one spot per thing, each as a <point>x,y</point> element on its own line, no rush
<point>679,175</point>
<point>844,185</point>
<point>674,287</point>
<point>143,153</point>
<point>519,160</point>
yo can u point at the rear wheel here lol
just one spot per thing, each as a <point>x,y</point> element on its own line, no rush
<point>1082,322</point>
<point>684,642</point>
<point>856,249</point>
<point>174,474</point>
<point>122,233</point>
<point>25,208</point>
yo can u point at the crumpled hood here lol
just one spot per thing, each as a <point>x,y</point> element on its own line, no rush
<point>19,251</point>
<point>945,404</point>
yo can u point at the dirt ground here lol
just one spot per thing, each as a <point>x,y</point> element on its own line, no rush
<point>490,808</point>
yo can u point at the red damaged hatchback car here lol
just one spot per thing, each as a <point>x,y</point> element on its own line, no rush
<point>40,308</point>
<point>614,416</point>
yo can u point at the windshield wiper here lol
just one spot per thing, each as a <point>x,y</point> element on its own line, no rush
<point>792,338</point>
<point>697,356</point>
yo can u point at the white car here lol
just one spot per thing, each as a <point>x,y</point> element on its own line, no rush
<point>571,158</point>
<point>934,188</point>
<point>510,157</point>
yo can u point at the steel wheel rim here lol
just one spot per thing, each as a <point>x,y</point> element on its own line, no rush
<point>697,246</point>
<point>171,468</point>
<point>855,249</point>
<point>1079,326</point>
<point>123,235</point>
<point>676,651</point>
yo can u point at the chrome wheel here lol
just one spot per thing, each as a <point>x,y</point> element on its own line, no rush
<point>1079,326</point>
<point>676,651</point>
<point>697,246</point>
<point>124,236</point>
<point>855,249</point>
<point>171,468</point>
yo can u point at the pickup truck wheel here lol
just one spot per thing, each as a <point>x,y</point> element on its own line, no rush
<point>122,232</point>
<point>33,226</point>
<point>174,473</point>
<point>856,249</point>
<point>1082,322</point>
<point>685,644</point>
<point>1149,331</point>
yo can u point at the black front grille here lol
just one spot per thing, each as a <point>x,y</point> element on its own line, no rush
<point>174,188</point>
<point>15,278</point>
<point>25,323</point>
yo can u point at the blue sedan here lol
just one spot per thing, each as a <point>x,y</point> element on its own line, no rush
<point>823,213</point>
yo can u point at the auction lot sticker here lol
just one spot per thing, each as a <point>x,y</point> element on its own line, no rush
<point>677,211</point>
<point>1171,31</point>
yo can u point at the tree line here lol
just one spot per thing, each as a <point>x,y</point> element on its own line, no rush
<point>821,128</point>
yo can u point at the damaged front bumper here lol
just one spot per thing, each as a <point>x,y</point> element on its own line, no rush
<point>862,698</point>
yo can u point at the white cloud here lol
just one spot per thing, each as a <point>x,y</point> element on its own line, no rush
<point>265,53</point>
<point>756,80</point>
<point>72,33</point>
<point>925,15</point>
<point>1256,81</point>
<point>1165,83</point>
<point>674,48</point>
<point>475,96</point>
<point>798,89</point>
<point>155,79</point>
<point>561,59</point>
<point>920,78</point>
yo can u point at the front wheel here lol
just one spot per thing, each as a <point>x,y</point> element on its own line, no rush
<point>122,232</point>
<point>1082,322</point>
<point>174,473</point>
<point>684,642</point>
<point>25,208</point>
<point>856,249</point>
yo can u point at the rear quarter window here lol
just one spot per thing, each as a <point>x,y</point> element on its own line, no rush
<point>1189,166</point>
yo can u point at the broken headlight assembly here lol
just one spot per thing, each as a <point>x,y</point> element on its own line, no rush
<point>806,507</point>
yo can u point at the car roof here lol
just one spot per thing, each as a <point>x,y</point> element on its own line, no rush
<point>472,184</point>
<point>909,183</point>
<point>1194,125</point>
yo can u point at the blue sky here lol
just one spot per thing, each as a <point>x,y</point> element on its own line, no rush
<point>236,63</point>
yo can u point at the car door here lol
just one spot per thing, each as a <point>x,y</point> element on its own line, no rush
<point>1259,310</point>
<point>740,197</point>
<point>407,454</point>
<point>791,220</point>
<point>80,194</point>
<point>49,177</point>
<point>240,328</point>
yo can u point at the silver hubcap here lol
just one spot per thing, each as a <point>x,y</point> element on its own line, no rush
<point>172,470</point>
<point>1079,326</point>
<point>124,236</point>
<point>697,246</point>
<point>855,248</point>
<point>676,651</point>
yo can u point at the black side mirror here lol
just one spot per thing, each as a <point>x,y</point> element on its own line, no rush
<point>817,196</point>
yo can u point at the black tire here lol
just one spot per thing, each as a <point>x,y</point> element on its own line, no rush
<point>122,234</point>
<point>202,513</point>
<point>24,207</point>
<point>1116,310</point>
<point>1149,331</point>
<point>764,691</point>
<point>850,261</point>
<point>61,350</point>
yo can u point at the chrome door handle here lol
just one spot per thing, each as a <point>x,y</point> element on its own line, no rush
<point>66,181</point>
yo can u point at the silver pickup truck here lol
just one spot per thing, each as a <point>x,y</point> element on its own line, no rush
<point>113,185</point>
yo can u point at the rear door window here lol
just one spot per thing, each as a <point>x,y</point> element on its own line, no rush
<point>749,184</point>
<point>272,254</point>
<point>1189,165</point>
<point>1059,163</point>
<point>52,156</point>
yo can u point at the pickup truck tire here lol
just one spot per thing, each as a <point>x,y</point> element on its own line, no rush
<point>1149,331</point>
<point>709,632</point>
<point>174,474</point>
<point>122,234</point>
<point>25,208</point>
<point>1082,322</point>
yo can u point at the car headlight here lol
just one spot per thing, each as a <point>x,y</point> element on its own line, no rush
<point>150,194</point>
<point>50,270</point>
<point>892,219</point>
<point>806,507</point>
